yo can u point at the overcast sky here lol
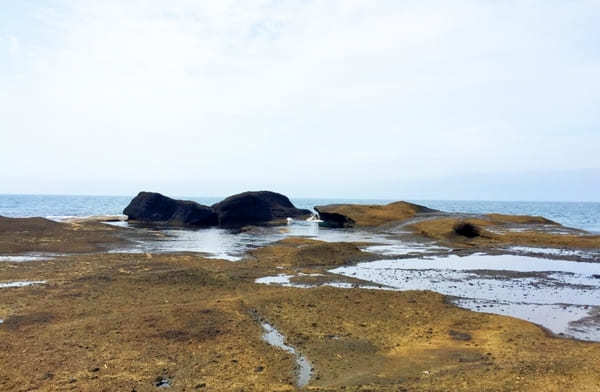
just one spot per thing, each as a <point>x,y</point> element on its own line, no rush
<point>379,99</point>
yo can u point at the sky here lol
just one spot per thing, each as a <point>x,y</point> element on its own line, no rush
<point>468,99</point>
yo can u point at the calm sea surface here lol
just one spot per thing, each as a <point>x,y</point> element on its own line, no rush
<point>579,215</point>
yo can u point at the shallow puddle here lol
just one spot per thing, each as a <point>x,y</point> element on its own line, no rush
<point>22,283</point>
<point>286,281</point>
<point>233,245</point>
<point>28,257</point>
<point>562,319</point>
<point>401,248</point>
<point>587,255</point>
<point>556,294</point>
<point>275,338</point>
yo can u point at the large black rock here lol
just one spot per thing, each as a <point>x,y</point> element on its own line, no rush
<point>156,208</point>
<point>254,208</point>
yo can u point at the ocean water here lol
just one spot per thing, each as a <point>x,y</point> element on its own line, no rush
<point>585,215</point>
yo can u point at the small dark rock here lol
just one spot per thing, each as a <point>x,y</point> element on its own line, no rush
<point>334,220</point>
<point>459,335</point>
<point>94,369</point>
<point>48,376</point>
<point>162,382</point>
<point>259,369</point>
<point>201,385</point>
<point>467,229</point>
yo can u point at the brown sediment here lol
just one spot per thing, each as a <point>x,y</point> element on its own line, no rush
<point>18,235</point>
<point>303,252</point>
<point>108,321</point>
<point>494,230</point>
<point>520,219</point>
<point>375,215</point>
<point>123,321</point>
<point>387,341</point>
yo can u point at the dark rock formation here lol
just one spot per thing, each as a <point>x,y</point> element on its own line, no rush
<point>154,207</point>
<point>467,229</point>
<point>248,208</point>
<point>334,220</point>
<point>255,208</point>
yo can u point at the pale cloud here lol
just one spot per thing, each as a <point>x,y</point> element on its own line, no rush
<point>239,94</point>
<point>13,45</point>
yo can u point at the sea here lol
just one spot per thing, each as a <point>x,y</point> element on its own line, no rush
<point>580,215</point>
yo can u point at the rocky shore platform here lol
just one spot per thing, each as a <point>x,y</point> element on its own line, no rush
<point>90,319</point>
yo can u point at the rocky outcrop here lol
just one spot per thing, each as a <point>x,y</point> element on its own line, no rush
<point>157,208</point>
<point>248,208</point>
<point>349,215</point>
<point>255,208</point>
<point>333,219</point>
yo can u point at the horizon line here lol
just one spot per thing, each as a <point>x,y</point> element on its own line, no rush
<point>315,198</point>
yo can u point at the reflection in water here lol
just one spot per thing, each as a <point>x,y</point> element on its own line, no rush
<point>232,245</point>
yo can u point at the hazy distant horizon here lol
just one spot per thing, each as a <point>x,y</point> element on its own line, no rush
<point>533,188</point>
